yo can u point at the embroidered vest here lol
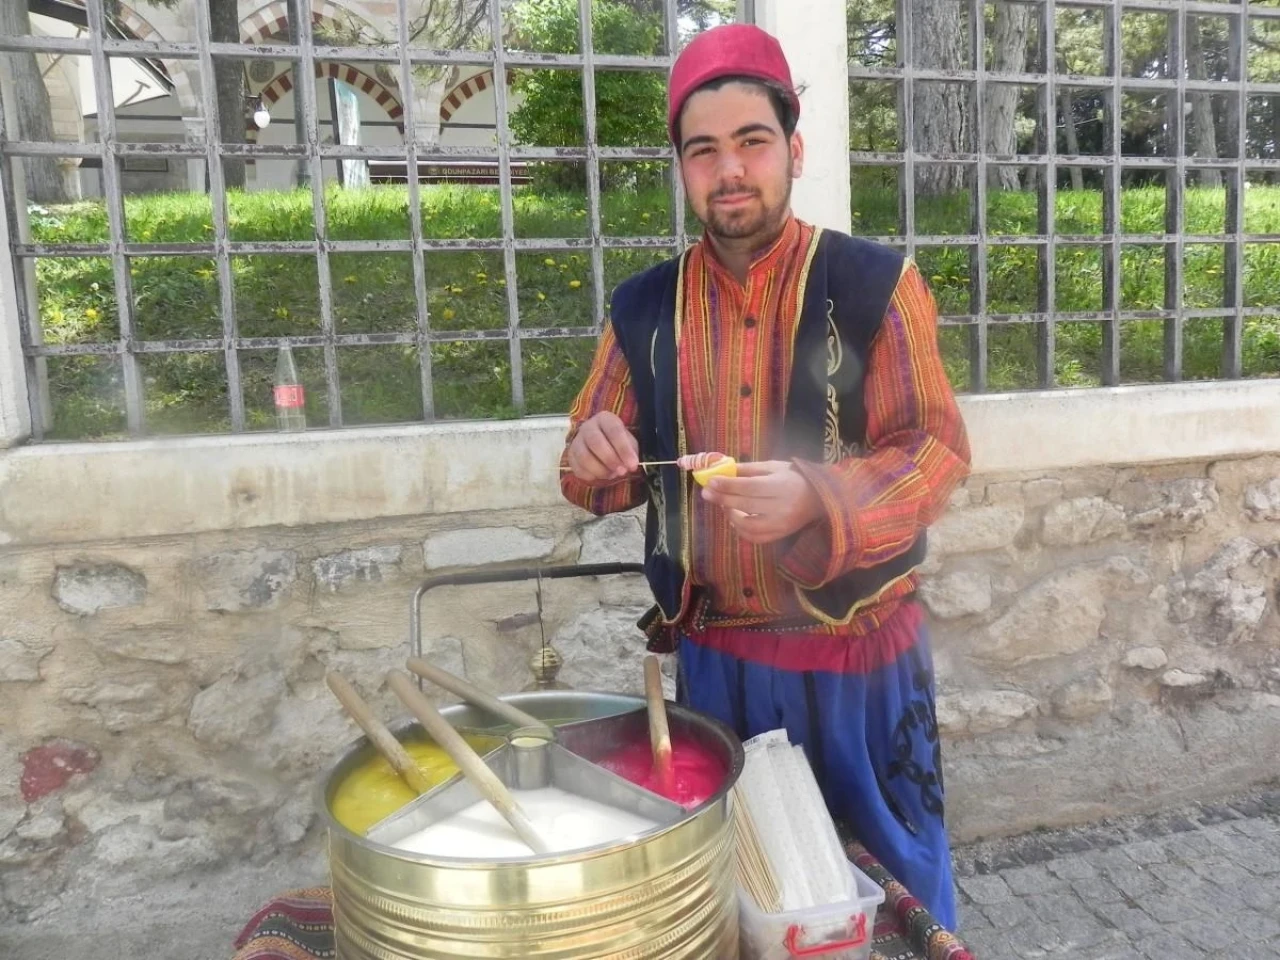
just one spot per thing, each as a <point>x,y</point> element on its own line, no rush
<point>846,291</point>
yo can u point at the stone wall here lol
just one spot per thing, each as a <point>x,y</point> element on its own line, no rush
<point>1106,637</point>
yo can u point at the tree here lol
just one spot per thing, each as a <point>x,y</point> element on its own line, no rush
<point>1009,30</point>
<point>228,85</point>
<point>44,181</point>
<point>942,115</point>
<point>630,106</point>
<point>1202,136</point>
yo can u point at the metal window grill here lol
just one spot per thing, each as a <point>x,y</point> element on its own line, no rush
<point>1111,164</point>
<point>402,56</point>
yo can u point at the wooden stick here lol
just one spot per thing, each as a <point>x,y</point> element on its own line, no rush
<point>382,738</point>
<point>645,463</point>
<point>474,695</point>
<point>659,731</point>
<point>469,762</point>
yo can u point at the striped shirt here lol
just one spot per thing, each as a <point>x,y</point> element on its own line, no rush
<point>735,355</point>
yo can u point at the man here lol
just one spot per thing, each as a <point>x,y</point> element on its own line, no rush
<point>811,357</point>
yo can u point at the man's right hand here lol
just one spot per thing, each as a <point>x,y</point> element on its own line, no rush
<point>603,449</point>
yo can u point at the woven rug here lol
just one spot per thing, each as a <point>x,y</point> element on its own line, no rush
<point>298,924</point>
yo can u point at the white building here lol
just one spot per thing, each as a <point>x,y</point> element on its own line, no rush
<point>160,101</point>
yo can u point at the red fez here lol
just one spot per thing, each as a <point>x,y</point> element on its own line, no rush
<point>733,50</point>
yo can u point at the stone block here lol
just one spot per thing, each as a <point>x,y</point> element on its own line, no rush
<point>603,650</point>
<point>618,538</point>
<point>1059,615</point>
<point>367,565</point>
<point>1042,492</point>
<point>1082,698</point>
<point>130,697</point>
<point>984,711</point>
<point>84,589</point>
<point>978,529</point>
<point>244,580</point>
<point>1145,658</point>
<point>1082,520</point>
<point>236,710</point>
<point>20,657</point>
<point>1181,679</point>
<point>956,595</point>
<point>163,644</point>
<point>1262,500</point>
<point>481,546</point>
<point>1171,507</point>
<point>1227,597</point>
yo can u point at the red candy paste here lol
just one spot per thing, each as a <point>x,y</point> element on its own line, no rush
<point>698,772</point>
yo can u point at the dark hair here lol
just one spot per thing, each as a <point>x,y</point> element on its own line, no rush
<point>778,96</point>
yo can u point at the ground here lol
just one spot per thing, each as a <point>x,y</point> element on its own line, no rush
<point>1189,883</point>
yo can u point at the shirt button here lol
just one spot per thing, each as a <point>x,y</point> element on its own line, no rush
<point>749,322</point>
<point>745,390</point>
<point>748,592</point>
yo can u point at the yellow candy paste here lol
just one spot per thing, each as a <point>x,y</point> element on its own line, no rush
<point>724,467</point>
<point>374,791</point>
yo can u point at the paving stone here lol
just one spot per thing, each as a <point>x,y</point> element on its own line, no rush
<point>1097,890</point>
<point>1261,829</point>
<point>1134,882</point>
<point>1168,946</point>
<point>1129,920</point>
<point>991,944</point>
<point>986,890</point>
<point>1172,909</point>
<point>1195,884</point>
<point>1147,853</point>
<point>1071,868</point>
<point>1207,935</point>
<point>1256,951</point>
<point>1258,927</point>
<point>1176,876</point>
<point>1008,915</point>
<point>1026,881</point>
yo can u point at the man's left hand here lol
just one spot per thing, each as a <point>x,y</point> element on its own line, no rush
<point>766,501</point>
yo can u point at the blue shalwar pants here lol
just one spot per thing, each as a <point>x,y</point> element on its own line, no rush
<point>863,708</point>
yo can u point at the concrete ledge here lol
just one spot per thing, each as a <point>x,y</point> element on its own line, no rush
<point>59,493</point>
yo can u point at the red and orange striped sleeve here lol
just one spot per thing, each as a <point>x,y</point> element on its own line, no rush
<point>608,387</point>
<point>877,504</point>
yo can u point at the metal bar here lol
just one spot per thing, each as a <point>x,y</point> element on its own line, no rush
<point>27,299</point>
<point>421,302</point>
<point>594,216</point>
<point>978,339</point>
<point>1175,202</point>
<point>1111,206</point>
<point>221,224</point>
<point>247,247</point>
<point>907,135</point>
<point>1047,203</point>
<point>671,20</point>
<point>113,195</point>
<point>1233,274</point>
<point>508,209</point>
<point>1098,161</point>
<point>304,86</point>
<point>1075,80</point>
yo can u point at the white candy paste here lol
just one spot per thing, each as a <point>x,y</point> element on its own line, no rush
<point>564,821</point>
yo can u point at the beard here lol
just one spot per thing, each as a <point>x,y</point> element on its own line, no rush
<point>750,219</point>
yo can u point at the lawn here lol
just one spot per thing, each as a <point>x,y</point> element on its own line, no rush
<point>176,297</point>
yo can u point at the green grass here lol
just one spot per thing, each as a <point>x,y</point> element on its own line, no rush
<point>177,297</point>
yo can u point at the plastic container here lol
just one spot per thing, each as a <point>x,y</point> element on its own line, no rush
<point>838,931</point>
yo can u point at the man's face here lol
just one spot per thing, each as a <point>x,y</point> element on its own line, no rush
<point>737,163</point>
